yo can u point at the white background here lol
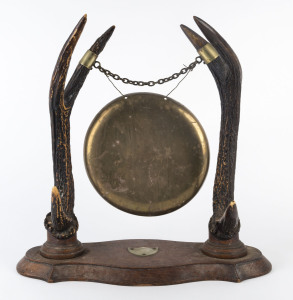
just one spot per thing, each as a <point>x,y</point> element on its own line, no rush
<point>147,44</point>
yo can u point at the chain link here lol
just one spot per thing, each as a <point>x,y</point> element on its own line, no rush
<point>185,70</point>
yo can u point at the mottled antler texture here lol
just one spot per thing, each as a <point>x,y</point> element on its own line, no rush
<point>226,70</point>
<point>61,222</point>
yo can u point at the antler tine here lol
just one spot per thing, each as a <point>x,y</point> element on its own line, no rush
<point>61,222</point>
<point>220,44</point>
<point>196,40</point>
<point>101,42</point>
<point>77,79</point>
<point>226,70</point>
<point>62,65</point>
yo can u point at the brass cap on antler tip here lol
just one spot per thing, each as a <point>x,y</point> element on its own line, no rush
<point>88,59</point>
<point>208,53</point>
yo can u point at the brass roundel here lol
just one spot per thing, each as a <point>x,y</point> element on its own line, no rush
<point>146,155</point>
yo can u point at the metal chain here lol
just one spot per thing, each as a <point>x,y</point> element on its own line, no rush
<point>185,70</point>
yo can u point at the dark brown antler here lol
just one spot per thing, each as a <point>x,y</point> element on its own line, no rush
<point>61,222</point>
<point>226,70</point>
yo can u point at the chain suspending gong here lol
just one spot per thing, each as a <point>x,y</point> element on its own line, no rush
<point>183,71</point>
<point>149,83</point>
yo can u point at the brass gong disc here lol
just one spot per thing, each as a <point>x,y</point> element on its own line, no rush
<point>146,155</point>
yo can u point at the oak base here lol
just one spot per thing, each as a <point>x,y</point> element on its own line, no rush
<point>174,263</point>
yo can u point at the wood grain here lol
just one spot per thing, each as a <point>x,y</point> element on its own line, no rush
<point>175,262</point>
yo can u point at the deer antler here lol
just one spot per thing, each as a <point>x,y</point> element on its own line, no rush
<point>61,222</point>
<point>226,70</point>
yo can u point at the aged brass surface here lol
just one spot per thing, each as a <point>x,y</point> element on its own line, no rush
<point>88,59</point>
<point>208,53</point>
<point>146,155</point>
<point>143,251</point>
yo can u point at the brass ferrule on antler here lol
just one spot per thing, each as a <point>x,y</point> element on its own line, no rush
<point>208,53</point>
<point>88,59</point>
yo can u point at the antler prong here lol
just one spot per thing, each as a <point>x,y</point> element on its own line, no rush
<point>226,71</point>
<point>78,77</point>
<point>61,222</point>
<point>62,65</point>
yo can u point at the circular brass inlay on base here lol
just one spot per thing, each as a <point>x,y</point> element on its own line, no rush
<point>143,251</point>
<point>146,155</point>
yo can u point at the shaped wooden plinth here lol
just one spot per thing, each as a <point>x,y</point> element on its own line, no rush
<point>174,263</point>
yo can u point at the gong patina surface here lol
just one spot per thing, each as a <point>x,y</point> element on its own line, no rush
<point>146,155</point>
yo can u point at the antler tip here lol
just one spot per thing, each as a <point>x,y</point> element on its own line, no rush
<point>80,25</point>
<point>197,19</point>
<point>83,19</point>
<point>206,29</point>
<point>110,30</point>
<point>196,40</point>
<point>200,22</point>
<point>100,43</point>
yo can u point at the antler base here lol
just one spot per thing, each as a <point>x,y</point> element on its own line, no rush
<point>61,249</point>
<point>232,248</point>
<point>174,263</point>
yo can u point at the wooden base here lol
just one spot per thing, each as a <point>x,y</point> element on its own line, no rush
<point>175,262</point>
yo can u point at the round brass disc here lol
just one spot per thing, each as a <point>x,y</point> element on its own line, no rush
<point>146,155</point>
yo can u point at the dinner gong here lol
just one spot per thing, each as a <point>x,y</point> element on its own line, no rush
<point>146,154</point>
